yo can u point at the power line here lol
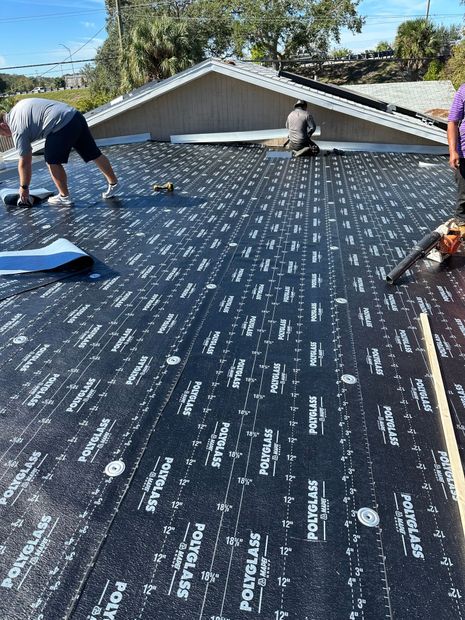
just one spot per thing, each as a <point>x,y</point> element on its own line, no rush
<point>75,52</point>
<point>46,64</point>
<point>8,20</point>
<point>134,7</point>
<point>360,57</point>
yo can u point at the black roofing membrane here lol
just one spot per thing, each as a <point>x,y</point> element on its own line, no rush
<point>236,351</point>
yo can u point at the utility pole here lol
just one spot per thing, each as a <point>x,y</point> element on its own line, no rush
<point>120,24</point>
<point>427,10</point>
<point>70,55</point>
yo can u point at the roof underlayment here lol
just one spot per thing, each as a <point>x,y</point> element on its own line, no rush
<point>209,422</point>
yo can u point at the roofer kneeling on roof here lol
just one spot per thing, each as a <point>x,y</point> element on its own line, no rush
<point>301,127</point>
<point>63,128</point>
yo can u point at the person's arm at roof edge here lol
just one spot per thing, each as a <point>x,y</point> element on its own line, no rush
<point>311,125</point>
<point>455,117</point>
<point>25,175</point>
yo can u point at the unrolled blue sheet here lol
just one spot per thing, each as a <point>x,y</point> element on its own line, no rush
<point>57,254</point>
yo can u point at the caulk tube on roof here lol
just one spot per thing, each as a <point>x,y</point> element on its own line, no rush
<point>419,250</point>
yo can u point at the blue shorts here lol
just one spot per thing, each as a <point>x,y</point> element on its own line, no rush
<point>75,134</point>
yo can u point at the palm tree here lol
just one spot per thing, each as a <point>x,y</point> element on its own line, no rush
<point>157,50</point>
<point>417,40</point>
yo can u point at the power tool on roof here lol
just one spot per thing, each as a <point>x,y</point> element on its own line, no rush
<point>436,245</point>
<point>169,187</point>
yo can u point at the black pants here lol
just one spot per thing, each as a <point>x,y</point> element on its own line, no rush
<point>297,147</point>
<point>460,180</point>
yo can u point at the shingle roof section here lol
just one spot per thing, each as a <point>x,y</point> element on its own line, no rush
<point>418,96</point>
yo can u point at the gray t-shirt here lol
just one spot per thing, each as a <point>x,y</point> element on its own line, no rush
<point>34,118</point>
<point>301,125</point>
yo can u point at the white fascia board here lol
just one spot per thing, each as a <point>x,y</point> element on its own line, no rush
<point>330,102</point>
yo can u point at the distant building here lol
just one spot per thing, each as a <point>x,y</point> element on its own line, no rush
<point>75,80</point>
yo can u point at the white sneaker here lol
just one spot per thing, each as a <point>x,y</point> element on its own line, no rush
<point>64,201</point>
<point>112,190</point>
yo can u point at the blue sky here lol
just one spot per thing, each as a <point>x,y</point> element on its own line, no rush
<point>39,31</point>
<point>384,16</point>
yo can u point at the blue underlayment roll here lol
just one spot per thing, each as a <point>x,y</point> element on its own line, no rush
<point>10,196</point>
<point>57,254</point>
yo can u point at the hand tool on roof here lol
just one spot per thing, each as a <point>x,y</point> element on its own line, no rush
<point>169,187</point>
<point>436,245</point>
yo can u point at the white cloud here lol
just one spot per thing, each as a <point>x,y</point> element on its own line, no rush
<point>88,25</point>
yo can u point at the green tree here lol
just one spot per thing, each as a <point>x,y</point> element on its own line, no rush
<point>213,27</point>
<point>7,103</point>
<point>157,50</point>
<point>92,101</point>
<point>154,47</point>
<point>104,75</point>
<point>435,70</point>
<point>417,40</point>
<point>454,69</point>
<point>3,85</point>
<point>341,52</point>
<point>448,37</point>
<point>114,72</point>
<point>290,27</point>
<point>383,46</point>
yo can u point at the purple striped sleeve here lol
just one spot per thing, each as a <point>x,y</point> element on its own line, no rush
<point>457,109</point>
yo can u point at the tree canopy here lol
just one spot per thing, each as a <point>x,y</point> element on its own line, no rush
<point>157,50</point>
<point>416,42</point>
<point>455,66</point>
<point>424,48</point>
<point>258,29</point>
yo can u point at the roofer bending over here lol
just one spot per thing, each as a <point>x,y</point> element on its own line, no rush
<point>63,128</point>
<point>301,127</point>
<point>456,139</point>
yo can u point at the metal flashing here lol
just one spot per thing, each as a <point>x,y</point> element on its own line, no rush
<point>229,136</point>
<point>375,147</point>
<point>234,136</point>
<point>131,139</point>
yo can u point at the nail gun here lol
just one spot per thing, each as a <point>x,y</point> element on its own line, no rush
<point>436,245</point>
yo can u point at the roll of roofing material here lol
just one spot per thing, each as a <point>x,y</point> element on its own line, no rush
<point>57,254</point>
